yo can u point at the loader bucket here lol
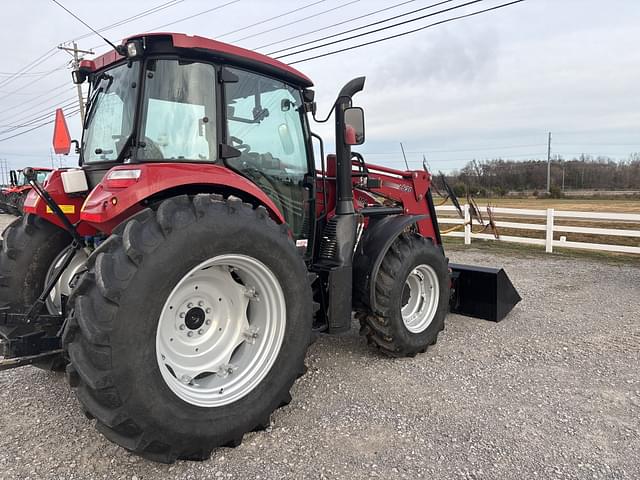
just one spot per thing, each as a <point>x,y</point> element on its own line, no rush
<point>482,292</point>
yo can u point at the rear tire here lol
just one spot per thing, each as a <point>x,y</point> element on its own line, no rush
<point>20,203</point>
<point>404,324</point>
<point>29,246</point>
<point>119,307</point>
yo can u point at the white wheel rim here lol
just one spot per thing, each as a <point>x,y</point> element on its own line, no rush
<point>220,330</point>
<point>63,285</point>
<point>422,291</point>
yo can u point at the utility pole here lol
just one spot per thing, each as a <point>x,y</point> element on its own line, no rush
<point>549,165</point>
<point>76,65</point>
<point>5,172</point>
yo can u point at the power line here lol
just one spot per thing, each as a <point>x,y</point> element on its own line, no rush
<point>600,144</point>
<point>30,66</point>
<point>68,114</point>
<point>34,81</point>
<point>447,160</point>
<point>372,42</point>
<point>21,154</point>
<point>460,150</point>
<point>17,123</point>
<point>399,24</point>
<point>315,15</point>
<point>38,117</point>
<point>31,74</point>
<point>334,25</point>
<point>124,21</point>
<point>261,22</point>
<point>195,15</point>
<point>218,7</point>
<point>379,22</point>
<point>24,71</point>
<point>11,76</point>
<point>83,22</point>
<point>37,97</point>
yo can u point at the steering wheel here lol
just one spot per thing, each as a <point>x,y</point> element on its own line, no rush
<point>243,147</point>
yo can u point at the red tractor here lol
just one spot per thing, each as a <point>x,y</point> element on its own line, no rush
<point>12,197</point>
<point>179,274</point>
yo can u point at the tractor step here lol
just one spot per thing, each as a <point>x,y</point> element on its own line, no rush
<point>482,292</point>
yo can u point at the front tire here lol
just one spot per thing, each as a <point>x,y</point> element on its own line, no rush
<point>132,359</point>
<point>412,298</point>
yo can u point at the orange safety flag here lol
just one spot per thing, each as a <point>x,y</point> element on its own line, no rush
<point>61,137</point>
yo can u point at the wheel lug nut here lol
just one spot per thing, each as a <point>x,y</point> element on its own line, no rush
<point>200,303</point>
<point>182,326</point>
<point>189,333</point>
<point>182,314</point>
<point>189,305</point>
<point>208,322</point>
<point>200,332</point>
<point>208,310</point>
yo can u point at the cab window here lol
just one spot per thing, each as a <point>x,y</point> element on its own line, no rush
<point>179,112</point>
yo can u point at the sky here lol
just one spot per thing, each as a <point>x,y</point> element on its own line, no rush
<point>483,87</point>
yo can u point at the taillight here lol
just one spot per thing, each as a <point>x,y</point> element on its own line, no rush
<point>32,199</point>
<point>122,178</point>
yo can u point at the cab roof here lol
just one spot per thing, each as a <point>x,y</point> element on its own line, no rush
<point>207,47</point>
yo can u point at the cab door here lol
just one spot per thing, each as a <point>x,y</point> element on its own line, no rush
<point>265,122</point>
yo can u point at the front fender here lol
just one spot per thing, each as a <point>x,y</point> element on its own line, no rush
<point>373,246</point>
<point>110,203</point>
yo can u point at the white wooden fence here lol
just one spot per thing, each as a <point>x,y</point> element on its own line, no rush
<point>549,227</point>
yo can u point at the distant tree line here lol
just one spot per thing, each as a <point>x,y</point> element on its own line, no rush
<point>500,176</point>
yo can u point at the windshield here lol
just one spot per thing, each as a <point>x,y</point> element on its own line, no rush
<point>111,113</point>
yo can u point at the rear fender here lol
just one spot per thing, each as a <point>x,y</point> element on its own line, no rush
<point>108,205</point>
<point>70,204</point>
<point>373,246</point>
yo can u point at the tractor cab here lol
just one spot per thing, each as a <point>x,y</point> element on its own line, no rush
<point>173,99</point>
<point>19,180</point>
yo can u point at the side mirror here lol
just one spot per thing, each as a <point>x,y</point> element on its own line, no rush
<point>61,137</point>
<point>354,126</point>
<point>285,139</point>
<point>78,77</point>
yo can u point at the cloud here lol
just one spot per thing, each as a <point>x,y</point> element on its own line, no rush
<point>447,57</point>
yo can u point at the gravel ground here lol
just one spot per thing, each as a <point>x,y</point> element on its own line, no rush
<point>553,391</point>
